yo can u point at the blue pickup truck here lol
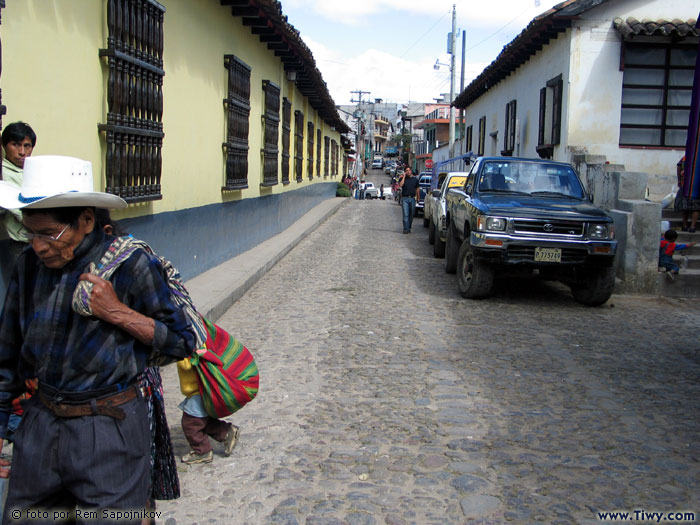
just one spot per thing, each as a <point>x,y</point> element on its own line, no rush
<point>532,215</point>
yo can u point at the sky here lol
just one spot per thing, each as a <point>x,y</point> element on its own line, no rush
<point>389,47</point>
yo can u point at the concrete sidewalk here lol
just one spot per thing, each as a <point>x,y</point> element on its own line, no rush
<point>217,289</point>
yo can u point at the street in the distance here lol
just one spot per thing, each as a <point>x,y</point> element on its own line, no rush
<point>386,398</point>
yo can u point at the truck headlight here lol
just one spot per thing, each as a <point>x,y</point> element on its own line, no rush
<point>601,231</point>
<point>491,224</point>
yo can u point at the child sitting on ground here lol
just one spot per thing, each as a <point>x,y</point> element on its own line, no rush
<point>197,425</point>
<point>666,249</point>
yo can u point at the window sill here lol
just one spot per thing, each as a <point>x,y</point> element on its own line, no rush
<point>545,151</point>
<point>234,187</point>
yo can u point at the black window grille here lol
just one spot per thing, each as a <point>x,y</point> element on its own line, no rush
<point>286,135</point>
<point>470,130</point>
<point>318,151</point>
<point>310,149</point>
<point>509,135</point>
<point>134,127</point>
<point>271,120</point>
<point>334,158</point>
<point>657,84</point>
<point>298,145</point>
<point>326,155</point>
<point>482,135</point>
<point>549,129</point>
<point>238,123</point>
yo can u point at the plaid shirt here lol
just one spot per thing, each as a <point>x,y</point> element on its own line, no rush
<point>41,336</point>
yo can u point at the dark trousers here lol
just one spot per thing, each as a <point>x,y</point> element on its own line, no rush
<point>88,462</point>
<point>198,429</point>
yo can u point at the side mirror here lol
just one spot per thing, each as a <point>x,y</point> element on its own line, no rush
<point>436,193</point>
<point>468,189</point>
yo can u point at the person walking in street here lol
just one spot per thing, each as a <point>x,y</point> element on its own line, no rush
<point>197,425</point>
<point>410,194</point>
<point>84,439</point>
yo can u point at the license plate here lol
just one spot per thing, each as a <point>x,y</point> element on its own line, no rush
<point>548,255</point>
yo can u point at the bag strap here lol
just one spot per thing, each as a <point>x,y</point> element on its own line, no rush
<point>119,251</point>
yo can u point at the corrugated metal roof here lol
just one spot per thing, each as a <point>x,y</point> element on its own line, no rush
<point>632,27</point>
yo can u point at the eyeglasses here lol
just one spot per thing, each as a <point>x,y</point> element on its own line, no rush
<point>48,238</point>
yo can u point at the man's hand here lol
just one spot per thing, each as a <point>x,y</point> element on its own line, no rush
<point>4,472</point>
<point>106,306</point>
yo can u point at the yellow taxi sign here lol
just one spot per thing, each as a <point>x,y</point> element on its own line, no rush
<point>456,181</point>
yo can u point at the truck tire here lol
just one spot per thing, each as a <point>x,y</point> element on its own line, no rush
<point>474,278</point>
<point>596,286</point>
<point>438,246</point>
<point>431,231</point>
<point>425,221</point>
<point>451,252</point>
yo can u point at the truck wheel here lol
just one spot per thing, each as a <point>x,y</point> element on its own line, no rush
<point>451,252</point>
<point>438,246</point>
<point>474,278</point>
<point>425,221</point>
<point>431,232</point>
<point>596,287</point>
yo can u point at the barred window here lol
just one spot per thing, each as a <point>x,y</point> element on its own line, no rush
<point>657,83</point>
<point>286,133</point>
<point>482,136</point>
<point>470,130</point>
<point>310,149</point>
<point>298,145</point>
<point>238,123</point>
<point>318,152</point>
<point>334,158</point>
<point>271,120</point>
<point>509,135</point>
<point>326,155</point>
<point>549,130</point>
<point>134,128</point>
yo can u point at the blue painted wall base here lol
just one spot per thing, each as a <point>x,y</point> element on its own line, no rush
<point>198,239</point>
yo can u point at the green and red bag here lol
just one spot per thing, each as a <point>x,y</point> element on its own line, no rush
<point>228,374</point>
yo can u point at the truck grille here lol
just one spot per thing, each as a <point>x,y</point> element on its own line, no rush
<point>545,227</point>
<point>527,253</point>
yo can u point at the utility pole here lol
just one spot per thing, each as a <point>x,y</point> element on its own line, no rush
<point>463,124</point>
<point>451,50</point>
<point>361,118</point>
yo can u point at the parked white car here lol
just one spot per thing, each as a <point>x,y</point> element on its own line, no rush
<point>434,216</point>
<point>370,191</point>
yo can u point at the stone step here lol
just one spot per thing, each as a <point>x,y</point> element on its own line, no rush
<point>686,284</point>
<point>691,256</point>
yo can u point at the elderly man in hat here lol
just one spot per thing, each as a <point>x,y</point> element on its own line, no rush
<point>84,439</point>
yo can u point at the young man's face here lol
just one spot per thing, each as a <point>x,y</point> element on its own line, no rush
<point>17,151</point>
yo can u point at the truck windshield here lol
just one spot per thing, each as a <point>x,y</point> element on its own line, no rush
<point>533,178</point>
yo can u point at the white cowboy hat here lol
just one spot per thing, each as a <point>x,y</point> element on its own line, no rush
<point>52,181</point>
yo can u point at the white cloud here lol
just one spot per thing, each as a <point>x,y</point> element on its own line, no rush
<point>385,76</point>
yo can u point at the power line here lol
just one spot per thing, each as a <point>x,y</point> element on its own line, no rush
<point>424,34</point>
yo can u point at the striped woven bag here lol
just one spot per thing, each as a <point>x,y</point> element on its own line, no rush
<point>228,375</point>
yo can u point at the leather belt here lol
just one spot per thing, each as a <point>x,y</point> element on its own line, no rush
<point>106,406</point>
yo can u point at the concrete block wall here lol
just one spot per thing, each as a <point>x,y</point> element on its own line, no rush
<point>637,220</point>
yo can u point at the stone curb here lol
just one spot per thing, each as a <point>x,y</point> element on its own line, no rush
<point>217,289</point>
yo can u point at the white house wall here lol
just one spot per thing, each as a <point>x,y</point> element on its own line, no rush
<point>595,86</point>
<point>523,86</point>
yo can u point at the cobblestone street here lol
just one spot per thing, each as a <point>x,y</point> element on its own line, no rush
<point>386,398</point>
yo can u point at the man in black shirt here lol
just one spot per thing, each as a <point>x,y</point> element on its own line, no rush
<point>410,194</point>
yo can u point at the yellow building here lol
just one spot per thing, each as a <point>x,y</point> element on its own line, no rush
<point>211,120</point>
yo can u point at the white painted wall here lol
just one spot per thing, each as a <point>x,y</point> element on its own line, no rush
<point>595,90</point>
<point>588,57</point>
<point>524,86</point>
